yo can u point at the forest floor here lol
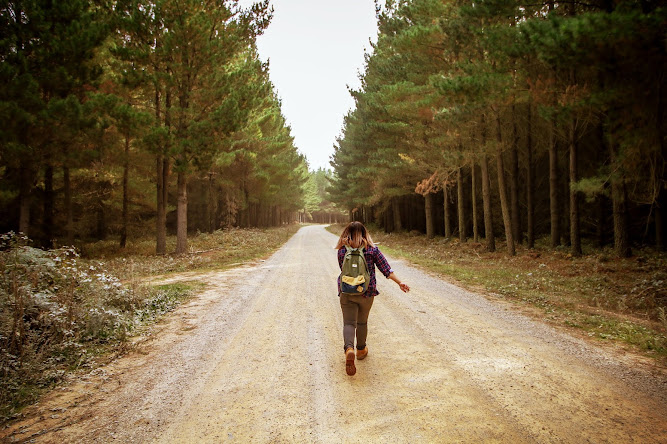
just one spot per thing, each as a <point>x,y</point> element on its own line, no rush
<point>257,357</point>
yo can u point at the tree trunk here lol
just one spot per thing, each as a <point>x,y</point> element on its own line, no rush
<point>101,226</point>
<point>517,232</point>
<point>473,196</point>
<point>428,208</point>
<point>161,217</point>
<point>25,198</point>
<point>530,180</point>
<point>448,211</point>
<point>182,181</point>
<point>575,239</point>
<point>486,195</point>
<point>502,190</point>
<point>166,165</point>
<point>661,199</point>
<point>252,215</point>
<point>619,205</point>
<point>182,214</point>
<point>396,207</point>
<point>486,198</point>
<point>553,186</point>
<point>621,234</point>
<point>49,197</point>
<point>69,212</point>
<point>601,217</point>
<point>160,165</point>
<point>210,203</point>
<point>659,219</point>
<point>126,195</point>
<point>461,207</point>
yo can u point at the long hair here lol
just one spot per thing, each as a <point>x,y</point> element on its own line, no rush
<point>355,235</point>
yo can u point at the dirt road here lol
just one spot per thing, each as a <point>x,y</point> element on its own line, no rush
<point>258,358</point>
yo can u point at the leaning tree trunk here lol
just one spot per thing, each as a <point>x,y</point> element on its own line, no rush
<point>448,211</point>
<point>428,209</point>
<point>504,205</point>
<point>502,190</point>
<point>182,214</point>
<point>575,238</point>
<point>460,205</point>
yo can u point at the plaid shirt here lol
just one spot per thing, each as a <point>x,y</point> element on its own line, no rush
<point>374,257</point>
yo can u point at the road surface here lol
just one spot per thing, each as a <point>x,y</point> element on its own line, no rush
<point>258,357</point>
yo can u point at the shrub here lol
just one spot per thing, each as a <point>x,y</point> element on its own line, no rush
<point>56,311</point>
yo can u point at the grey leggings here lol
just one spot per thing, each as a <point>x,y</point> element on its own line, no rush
<point>355,319</point>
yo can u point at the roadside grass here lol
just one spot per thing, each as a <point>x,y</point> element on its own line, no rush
<point>73,309</point>
<point>622,301</point>
<point>218,250</point>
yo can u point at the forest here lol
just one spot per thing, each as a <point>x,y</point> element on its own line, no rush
<point>514,121</point>
<point>484,120</point>
<point>141,118</point>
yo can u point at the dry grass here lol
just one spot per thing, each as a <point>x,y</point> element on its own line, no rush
<point>68,309</point>
<point>221,249</point>
<point>597,295</point>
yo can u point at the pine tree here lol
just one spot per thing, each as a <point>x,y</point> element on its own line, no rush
<point>47,53</point>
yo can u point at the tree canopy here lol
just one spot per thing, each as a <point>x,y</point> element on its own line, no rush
<point>539,106</point>
<point>104,101</point>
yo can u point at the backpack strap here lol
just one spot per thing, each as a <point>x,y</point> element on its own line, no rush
<point>349,249</point>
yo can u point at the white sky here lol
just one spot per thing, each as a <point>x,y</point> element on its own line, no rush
<point>316,48</point>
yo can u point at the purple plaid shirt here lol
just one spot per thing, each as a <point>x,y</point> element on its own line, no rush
<point>373,257</point>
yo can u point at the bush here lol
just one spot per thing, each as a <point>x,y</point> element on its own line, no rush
<point>57,311</point>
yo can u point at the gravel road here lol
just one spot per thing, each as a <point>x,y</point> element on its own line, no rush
<point>257,357</point>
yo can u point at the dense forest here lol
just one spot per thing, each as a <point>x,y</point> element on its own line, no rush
<point>509,119</point>
<point>141,118</point>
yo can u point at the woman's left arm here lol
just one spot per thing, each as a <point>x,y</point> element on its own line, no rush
<point>395,278</point>
<point>384,267</point>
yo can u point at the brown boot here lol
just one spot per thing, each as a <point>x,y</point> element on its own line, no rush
<point>361,354</point>
<point>349,362</point>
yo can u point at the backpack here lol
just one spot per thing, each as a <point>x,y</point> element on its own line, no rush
<point>354,276</point>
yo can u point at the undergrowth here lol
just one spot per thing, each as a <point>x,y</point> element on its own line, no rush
<point>220,249</point>
<point>612,299</point>
<point>68,308</point>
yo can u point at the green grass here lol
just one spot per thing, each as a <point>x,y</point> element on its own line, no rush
<point>597,296</point>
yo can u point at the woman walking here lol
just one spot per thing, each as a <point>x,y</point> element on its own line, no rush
<point>356,308</point>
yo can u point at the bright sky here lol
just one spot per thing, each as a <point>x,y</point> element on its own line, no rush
<point>316,49</point>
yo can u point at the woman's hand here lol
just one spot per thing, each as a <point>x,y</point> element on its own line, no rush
<point>395,278</point>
